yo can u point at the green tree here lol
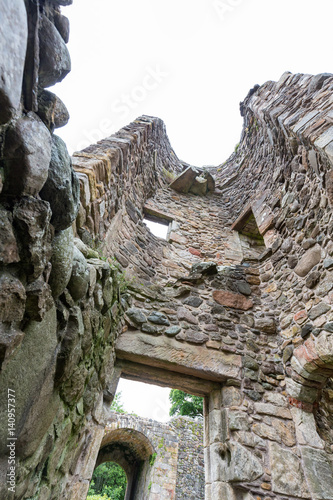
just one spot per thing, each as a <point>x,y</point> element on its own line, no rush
<point>108,483</point>
<point>117,404</point>
<point>185,404</point>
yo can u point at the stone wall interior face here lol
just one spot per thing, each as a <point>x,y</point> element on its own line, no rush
<point>162,461</point>
<point>235,305</point>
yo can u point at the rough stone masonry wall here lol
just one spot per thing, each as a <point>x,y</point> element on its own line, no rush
<point>59,308</point>
<point>174,468</point>
<point>262,329</point>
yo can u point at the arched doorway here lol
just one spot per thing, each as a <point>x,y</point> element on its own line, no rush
<point>108,479</point>
<point>131,450</point>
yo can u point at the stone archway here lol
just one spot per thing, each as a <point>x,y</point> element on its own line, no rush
<point>131,450</point>
<point>312,366</point>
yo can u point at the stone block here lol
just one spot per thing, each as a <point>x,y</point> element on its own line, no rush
<point>12,298</point>
<point>318,471</point>
<point>271,409</point>
<point>231,396</point>
<point>301,392</point>
<point>233,462</point>
<point>184,314</point>
<point>165,352</point>
<point>305,426</point>
<point>80,277</point>
<point>55,61</point>
<point>61,188</point>
<point>319,310</point>
<point>8,245</point>
<point>184,181</point>
<point>26,156</point>
<point>52,110</point>
<point>266,325</point>
<point>310,259</point>
<point>287,473</point>
<point>62,261</point>
<point>234,300</point>
<point>13,45</point>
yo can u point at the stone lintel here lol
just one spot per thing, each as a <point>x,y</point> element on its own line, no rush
<point>170,354</point>
<point>151,213</point>
<point>165,378</point>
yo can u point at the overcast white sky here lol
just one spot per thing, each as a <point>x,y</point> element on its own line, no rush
<point>189,62</point>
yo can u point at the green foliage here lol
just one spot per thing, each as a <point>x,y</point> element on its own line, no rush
<point>97,497</point>
<point>152,459</point>
<point>117,404</point>
<point>108,483</point>
<point>185,404</point>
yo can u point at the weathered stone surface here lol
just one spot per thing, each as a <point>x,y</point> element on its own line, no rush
<point>305,427</point>
<point>61,261</point>
<point>193,301</point>
<point>62,24</point>
<point>287,474</point>
<point>170,354</point>
<point>79,280</point>
<point>318,471</point>
<point>199,186</point>
<point>55,61</point>
<point>158,318</point>
<point>266,325</point>
<point>33,385</point>
<point>233,300</point>
<point>308,261</point>
<point>26,156</point>
<point>8,244</point>
<point>52,110</point>
<point>194,337</point>
<point>185,315</point>
<point>61,189</point>
<point>13,44</point>
<point>318,310</point>
<point>236,463</point>
<point>206,268</point>
<point>39,300</point>
<point>31,221</point>
<point>136,315</point>
<point>10,339</point>
<point>12,298</point>
<point>172,331</point>
<point>184,181</point>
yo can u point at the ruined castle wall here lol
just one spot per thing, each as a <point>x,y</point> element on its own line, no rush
<point>174,468</point>
<point>59,308</point>
<point>254,335</point>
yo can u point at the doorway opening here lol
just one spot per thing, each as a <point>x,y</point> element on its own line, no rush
<point>109,482</point>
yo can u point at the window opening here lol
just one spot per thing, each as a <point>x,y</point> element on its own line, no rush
<point>252,242</point>
<point>159,229</point>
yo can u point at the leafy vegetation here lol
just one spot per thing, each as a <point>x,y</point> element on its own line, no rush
<point>117,404</point>
<point>108,483</point>
<point>185,404</point>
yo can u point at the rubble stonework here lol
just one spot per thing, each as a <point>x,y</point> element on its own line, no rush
<point>169,456</point>
<point>235,305</point>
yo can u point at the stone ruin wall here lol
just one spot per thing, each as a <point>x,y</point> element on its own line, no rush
<point>169,455</point>
<point>254,334</point>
